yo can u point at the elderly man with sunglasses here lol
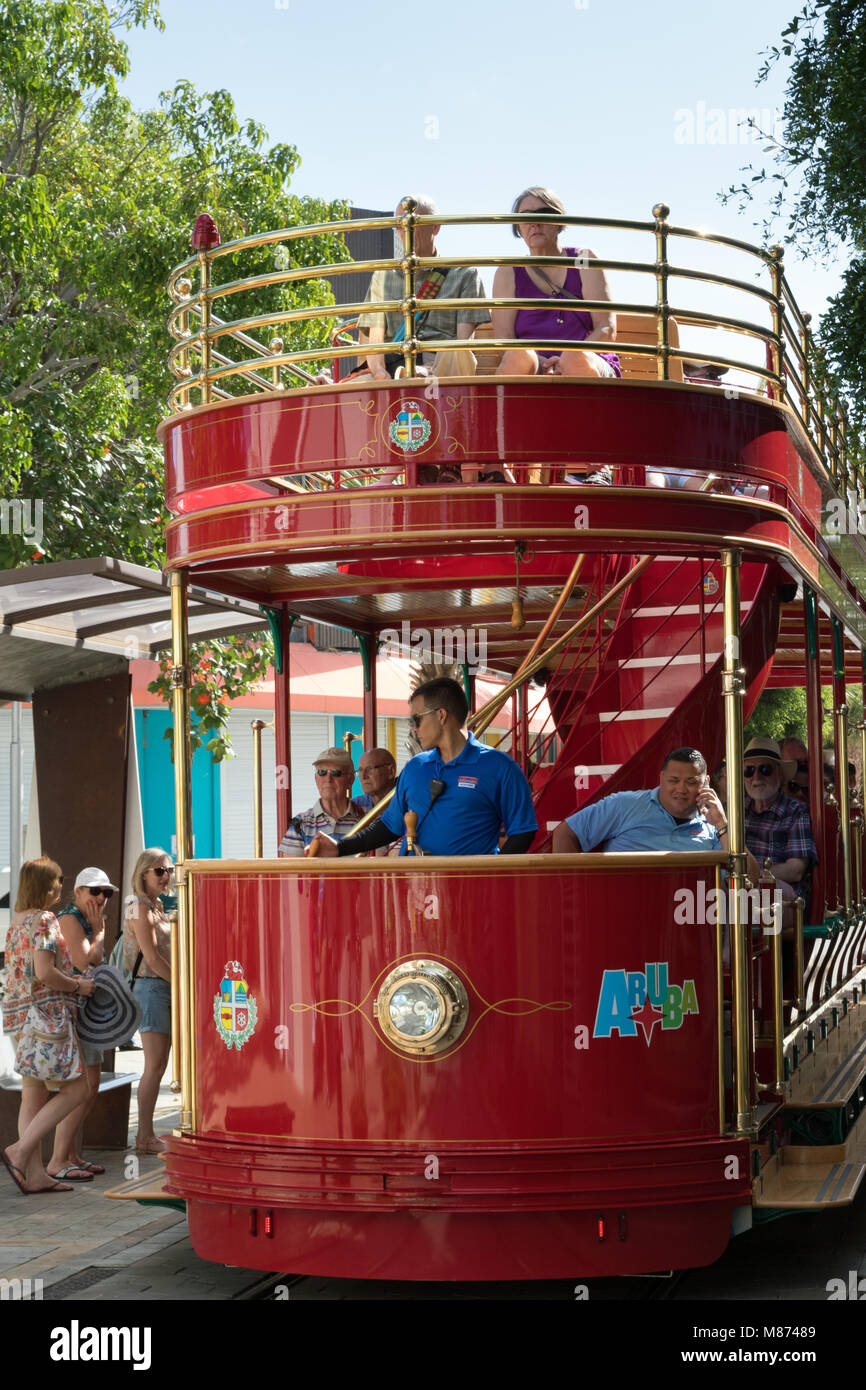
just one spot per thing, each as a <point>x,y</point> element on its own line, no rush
<point>464,793</point>
<point>778,827</point>
<point>334,813</point>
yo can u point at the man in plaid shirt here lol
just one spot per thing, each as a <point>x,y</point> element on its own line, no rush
<point>778,828</point>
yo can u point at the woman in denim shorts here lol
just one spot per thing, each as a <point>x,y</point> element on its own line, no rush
<point>146,930</point>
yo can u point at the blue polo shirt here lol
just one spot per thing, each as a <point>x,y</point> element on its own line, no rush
<point>484,790</point>
<point>629,821</point>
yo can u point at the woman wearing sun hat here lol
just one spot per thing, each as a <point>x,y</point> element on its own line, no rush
<point>83,927</point>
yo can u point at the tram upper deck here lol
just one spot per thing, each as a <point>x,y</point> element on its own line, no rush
<point>274,484</point>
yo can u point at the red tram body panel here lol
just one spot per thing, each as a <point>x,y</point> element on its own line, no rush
<point>621,1085</point>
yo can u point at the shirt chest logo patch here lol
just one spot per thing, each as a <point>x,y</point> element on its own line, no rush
<point>470,782</point>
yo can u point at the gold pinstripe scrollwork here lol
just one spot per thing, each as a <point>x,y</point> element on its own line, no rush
<point>513,1006</point>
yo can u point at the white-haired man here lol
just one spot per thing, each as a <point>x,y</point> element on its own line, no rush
<point>449,282</point>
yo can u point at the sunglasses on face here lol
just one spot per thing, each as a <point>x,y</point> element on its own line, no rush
<point>796,789</point>
<point>762,769</point>
<point>415,719</point>
<point>330,772</point>
<point>161,871</point>
<point>106,893</point>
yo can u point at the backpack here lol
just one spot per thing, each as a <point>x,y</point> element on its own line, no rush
<point>118,960</point>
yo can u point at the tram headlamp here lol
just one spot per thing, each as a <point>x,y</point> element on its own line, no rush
<point>422,1006</point>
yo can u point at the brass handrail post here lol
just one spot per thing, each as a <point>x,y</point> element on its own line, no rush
<point>720,1002</point>
<point>175,1085</point>
<point>661,212</point>
<point>807,370</point>
<point>733,686</point>
<point>183,287</point>
<point>409,345</point>
<point>799,954</point>
<point>206,345</point>
<point>777,267</point>
<point>860,885</point>
<point>778,1001</point>
<point>181,985</point>
<point>257,725</point>
<point>844,793</point>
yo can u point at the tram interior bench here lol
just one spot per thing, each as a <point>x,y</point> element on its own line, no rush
<point>107,1125</point>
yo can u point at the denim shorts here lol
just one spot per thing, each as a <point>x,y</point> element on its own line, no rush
<point>154,996</point>
<point>91,1056</point>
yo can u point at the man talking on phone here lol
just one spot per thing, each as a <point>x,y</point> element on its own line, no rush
<point>464,793</point>
<point>681,813</point>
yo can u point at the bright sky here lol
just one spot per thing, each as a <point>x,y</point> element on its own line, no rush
<point>616,104</point>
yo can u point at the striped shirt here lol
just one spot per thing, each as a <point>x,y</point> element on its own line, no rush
<point>304,828</point>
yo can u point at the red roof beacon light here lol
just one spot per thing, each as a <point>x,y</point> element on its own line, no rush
<point>205,233</point>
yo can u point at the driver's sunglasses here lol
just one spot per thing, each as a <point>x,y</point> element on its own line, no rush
<point>415,719</point>
<point>162,872</point>
<point>107,893</point>
<point>763,769</point>
<point>797,789</point>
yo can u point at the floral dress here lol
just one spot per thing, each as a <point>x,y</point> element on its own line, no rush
<point>39,931</point>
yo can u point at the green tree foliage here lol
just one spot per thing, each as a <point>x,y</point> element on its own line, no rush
<point>818,175</point>
<point>97,201</point>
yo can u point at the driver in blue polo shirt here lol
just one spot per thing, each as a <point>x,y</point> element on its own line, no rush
<point>681,813</point>
<point>463,792</point>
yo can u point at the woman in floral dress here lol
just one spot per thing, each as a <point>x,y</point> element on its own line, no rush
<point>39,971</point>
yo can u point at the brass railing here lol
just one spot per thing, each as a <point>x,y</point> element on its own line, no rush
<point>794,370</point>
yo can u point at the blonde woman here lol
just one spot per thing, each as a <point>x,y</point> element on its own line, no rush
<point>561,285</point>
<point>146,932</point>
<point>39,971</point>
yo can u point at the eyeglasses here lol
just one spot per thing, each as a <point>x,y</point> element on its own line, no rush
<point>107,893</point>
<point>162,872</point>
<point>330,772</point>
<point>797,789</point>
<point>763,769</point>
<point>415,719</point>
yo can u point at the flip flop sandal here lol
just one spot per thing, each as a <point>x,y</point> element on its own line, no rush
<point>18,1180</point>
<point>96,1168</point>
<point>74,1173</point>
<point>55,1187</point>
<point>153,1146</point>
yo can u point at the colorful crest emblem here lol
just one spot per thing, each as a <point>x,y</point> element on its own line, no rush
<point>234,1008</point>
<point>410,430</point>
<point>711,584</point>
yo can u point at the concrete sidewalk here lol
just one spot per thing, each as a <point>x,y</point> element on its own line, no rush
<point>83,1246</point>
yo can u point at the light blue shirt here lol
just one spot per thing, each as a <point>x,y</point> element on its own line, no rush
<point>630,821</point>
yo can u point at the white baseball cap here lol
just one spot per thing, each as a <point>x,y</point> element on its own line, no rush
<point>94,878</point>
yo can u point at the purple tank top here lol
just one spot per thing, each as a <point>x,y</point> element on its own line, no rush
<point>555,322</point>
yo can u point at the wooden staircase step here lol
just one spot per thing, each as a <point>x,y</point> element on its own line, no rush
<point>813,1177</point>
<point>150,1187</point>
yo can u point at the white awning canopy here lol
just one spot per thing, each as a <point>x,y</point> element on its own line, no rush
<point>77,620</point>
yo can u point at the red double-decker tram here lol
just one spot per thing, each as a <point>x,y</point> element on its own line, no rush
<point>603,1086</point>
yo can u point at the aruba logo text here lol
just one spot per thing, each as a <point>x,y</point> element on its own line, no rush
<point>629,999</point>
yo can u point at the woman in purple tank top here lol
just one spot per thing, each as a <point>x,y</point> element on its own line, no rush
<point>559,285</point>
